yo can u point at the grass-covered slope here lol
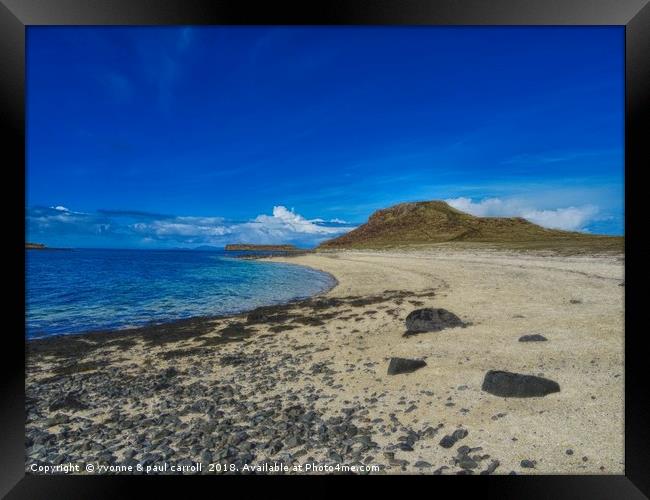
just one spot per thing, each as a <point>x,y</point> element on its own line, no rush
<point>431,222</point>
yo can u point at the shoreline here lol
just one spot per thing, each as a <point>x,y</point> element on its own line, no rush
<point>180,322</point>
<point>306,381</point>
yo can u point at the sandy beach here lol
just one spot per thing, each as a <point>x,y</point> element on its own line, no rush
<point>307,382</point>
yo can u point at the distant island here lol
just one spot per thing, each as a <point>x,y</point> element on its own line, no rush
<point>262,248</point>
<point>418,224</point>
<point>35,246</point>
<point>42,246</point>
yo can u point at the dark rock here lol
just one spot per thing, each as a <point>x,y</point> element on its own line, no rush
<point>447,442</point>
<point>490,468</point>
<point>463,459</point>
<point>528,464</point>
<point>516,385</point>
<point>431,431</point>
<point>421,464</point>
<point>293,441</point>
<point>431,320</point>
<point>161,385</point>
<point>536,337</point>
<point>402,365</point>
<point>569,451</point>
<point>450,440</point>
<point>68,402</point>
<point>57,419</point>
<point>467,462</point>
<point>459,434</point>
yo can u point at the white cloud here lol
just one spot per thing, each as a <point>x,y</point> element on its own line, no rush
<point>331,221</point>
<point>181,227</point>
<point>282,226</point>
<point>285,226</point>
<point>570,218</point>
<point>288,221</point>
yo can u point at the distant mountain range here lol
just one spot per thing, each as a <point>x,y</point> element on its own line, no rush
<point>430,222</point>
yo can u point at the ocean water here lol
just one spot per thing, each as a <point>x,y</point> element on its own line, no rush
<point>72,291</point>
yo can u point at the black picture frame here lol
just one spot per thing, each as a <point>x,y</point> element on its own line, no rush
<point>16,15</point>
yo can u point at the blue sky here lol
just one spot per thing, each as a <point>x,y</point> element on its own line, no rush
<point>183,136</point>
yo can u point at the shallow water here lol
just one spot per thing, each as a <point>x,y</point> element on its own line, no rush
<point>71,291</point>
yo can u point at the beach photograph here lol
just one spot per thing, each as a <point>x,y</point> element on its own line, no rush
<point>315,250</point>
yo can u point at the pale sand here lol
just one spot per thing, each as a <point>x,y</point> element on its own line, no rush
<point>584,352</point>
<point>503,295</point>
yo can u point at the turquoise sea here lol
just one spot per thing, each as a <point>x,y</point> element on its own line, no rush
<point>72,291</point>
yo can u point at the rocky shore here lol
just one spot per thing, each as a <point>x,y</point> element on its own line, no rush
<point>414,363</point>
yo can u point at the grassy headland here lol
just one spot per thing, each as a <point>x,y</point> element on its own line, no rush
<point>426,223</point>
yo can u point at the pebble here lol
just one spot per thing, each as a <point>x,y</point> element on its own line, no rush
<point>213,399</point>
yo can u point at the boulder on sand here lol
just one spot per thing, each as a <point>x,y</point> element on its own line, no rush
<point>517,385</point>
<point>403,365</point>
<point>431,320</point>
<point>535,337</point>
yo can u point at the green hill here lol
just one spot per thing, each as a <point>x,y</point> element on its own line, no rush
<point>434,222</point>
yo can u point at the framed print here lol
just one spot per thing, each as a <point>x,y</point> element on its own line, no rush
<point>386,239</point>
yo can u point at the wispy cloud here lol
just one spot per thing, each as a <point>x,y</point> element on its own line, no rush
<point>139,228</point>
<point>133,213</point>
<point>331,221</point>
<point>572,218</point>
<point>552,157</point>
